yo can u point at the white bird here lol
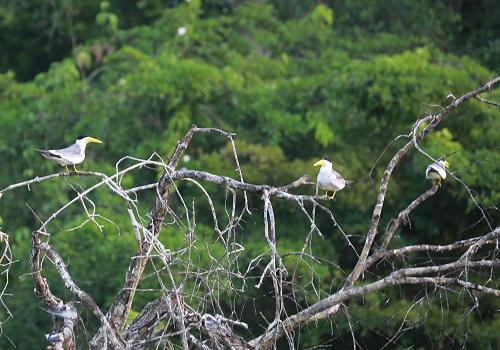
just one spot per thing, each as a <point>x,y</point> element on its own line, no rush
<point>437,172</point>
<point>328,179</point>
<point>72,155</point>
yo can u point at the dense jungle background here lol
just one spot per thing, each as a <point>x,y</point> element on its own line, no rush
<point>295,80</point>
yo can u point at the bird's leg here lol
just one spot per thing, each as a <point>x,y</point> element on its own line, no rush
<point>333,195</point>
<point>66,167</point>
<point>76,170</point>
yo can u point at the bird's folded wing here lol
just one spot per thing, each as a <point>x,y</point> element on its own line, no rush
<point>336,179</point>
<point>68,152</point>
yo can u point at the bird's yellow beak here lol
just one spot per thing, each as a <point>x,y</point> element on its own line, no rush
<point>319,162</point>
<point>446,164</point>
<point>89,139</point>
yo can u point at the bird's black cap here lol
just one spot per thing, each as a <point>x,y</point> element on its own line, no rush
<point>81,137</point>
<point>326,158</point>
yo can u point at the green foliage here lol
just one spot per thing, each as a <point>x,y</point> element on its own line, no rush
<point>294,85</point>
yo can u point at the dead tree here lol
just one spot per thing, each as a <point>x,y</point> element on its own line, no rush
<point>173,317</point>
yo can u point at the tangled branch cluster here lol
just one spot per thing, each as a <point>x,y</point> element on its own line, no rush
<point>178,314</point>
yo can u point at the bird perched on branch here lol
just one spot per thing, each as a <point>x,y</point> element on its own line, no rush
<point>72,155</point>
<point>437,171</point>
<point>328,179</point>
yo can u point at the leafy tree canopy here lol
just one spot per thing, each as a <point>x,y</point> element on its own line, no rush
<point>295,80</point>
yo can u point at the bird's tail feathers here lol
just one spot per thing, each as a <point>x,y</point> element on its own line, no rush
<point>45,153</point>
<point>349,182</point>
<point>364,179</point>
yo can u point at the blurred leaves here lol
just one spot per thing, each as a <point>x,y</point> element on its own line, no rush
<point>343,81</point>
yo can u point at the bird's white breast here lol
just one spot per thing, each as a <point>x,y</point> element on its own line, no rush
<point>329,180</point>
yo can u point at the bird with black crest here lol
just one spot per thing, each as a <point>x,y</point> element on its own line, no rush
<point>328,179</point>
<point>72,155</point>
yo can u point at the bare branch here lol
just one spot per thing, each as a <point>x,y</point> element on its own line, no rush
<point>64,315</point>
<point>399,277</point>
<point>496,104</point>
<point>37,179</point>
<point>191,310</point>
<point>84,297</point>
<point>428,248</point>
<point>377,211</point>
<point>404,214</point>
<point>123,301</point>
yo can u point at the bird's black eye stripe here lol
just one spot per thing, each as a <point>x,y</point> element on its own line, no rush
<point>81,137</point>
<point>326,158</point>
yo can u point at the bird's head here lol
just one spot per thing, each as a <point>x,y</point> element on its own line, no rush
<point>323,161</point>
<point>87,139</point>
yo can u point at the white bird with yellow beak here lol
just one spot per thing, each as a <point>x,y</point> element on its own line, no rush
<point>72,155</point>
<point>437,172</point>
<point>328,179</point>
